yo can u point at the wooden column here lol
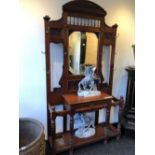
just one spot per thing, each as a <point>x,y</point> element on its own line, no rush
<point>64,120</point>
<point>121,107</point>
<point>107,123</point>
<point>53,117</point>
<point>71,132</point>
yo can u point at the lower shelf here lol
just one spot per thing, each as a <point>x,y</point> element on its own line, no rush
<point>62,144</point>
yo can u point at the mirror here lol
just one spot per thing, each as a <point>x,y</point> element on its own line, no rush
<point>106,61</point>
<point>56,64</point>
<point>83,47</point>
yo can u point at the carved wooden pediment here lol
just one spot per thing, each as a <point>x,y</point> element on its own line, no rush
<point>84,6</point>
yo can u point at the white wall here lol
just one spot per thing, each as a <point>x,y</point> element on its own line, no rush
<point>32,63</point>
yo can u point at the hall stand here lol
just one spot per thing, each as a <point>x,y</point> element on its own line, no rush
<point>84,17</point>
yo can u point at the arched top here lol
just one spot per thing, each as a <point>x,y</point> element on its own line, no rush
<point>84,6</point>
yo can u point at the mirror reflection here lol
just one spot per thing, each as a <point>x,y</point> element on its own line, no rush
<point>106,60</point>
<point>83,47</point>
<point>56,64</point>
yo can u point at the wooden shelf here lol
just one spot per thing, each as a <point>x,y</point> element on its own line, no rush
<point>63,143</point>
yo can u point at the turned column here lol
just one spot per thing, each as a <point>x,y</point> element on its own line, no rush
<point>107,123</point>
<point>121,107</point>
<point>53,117</point>
<point>71,132</point>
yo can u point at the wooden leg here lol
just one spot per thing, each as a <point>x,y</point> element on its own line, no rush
<point>118,131</point>
<point>53,117</point>
<point>53,152</point>
<point>72,134</point>
<point>121,107</point>
<point>53,140</point>
<point>71,151</point>
<point>96,117</point>
<point>105,141</point>
<point>107,124</point>
<point>119,125</point>
<point>65,121</point>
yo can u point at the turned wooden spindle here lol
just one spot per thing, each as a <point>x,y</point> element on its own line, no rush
<point>107,123</point>
<point>64,120</point>
<point>72,133</point>
<point>53,117</point>
<point>121,107</point>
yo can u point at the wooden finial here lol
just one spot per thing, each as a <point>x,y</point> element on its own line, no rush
<point>46,18</point>
<point>115,26</point>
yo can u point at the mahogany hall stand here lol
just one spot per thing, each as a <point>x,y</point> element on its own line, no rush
<point>84,17</point>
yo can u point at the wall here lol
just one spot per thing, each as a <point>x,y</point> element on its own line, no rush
<point>32,101</point>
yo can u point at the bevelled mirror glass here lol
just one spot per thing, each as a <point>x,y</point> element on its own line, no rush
<point>106,61</point>
<point>83,47</point>
<point>56,64</point>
